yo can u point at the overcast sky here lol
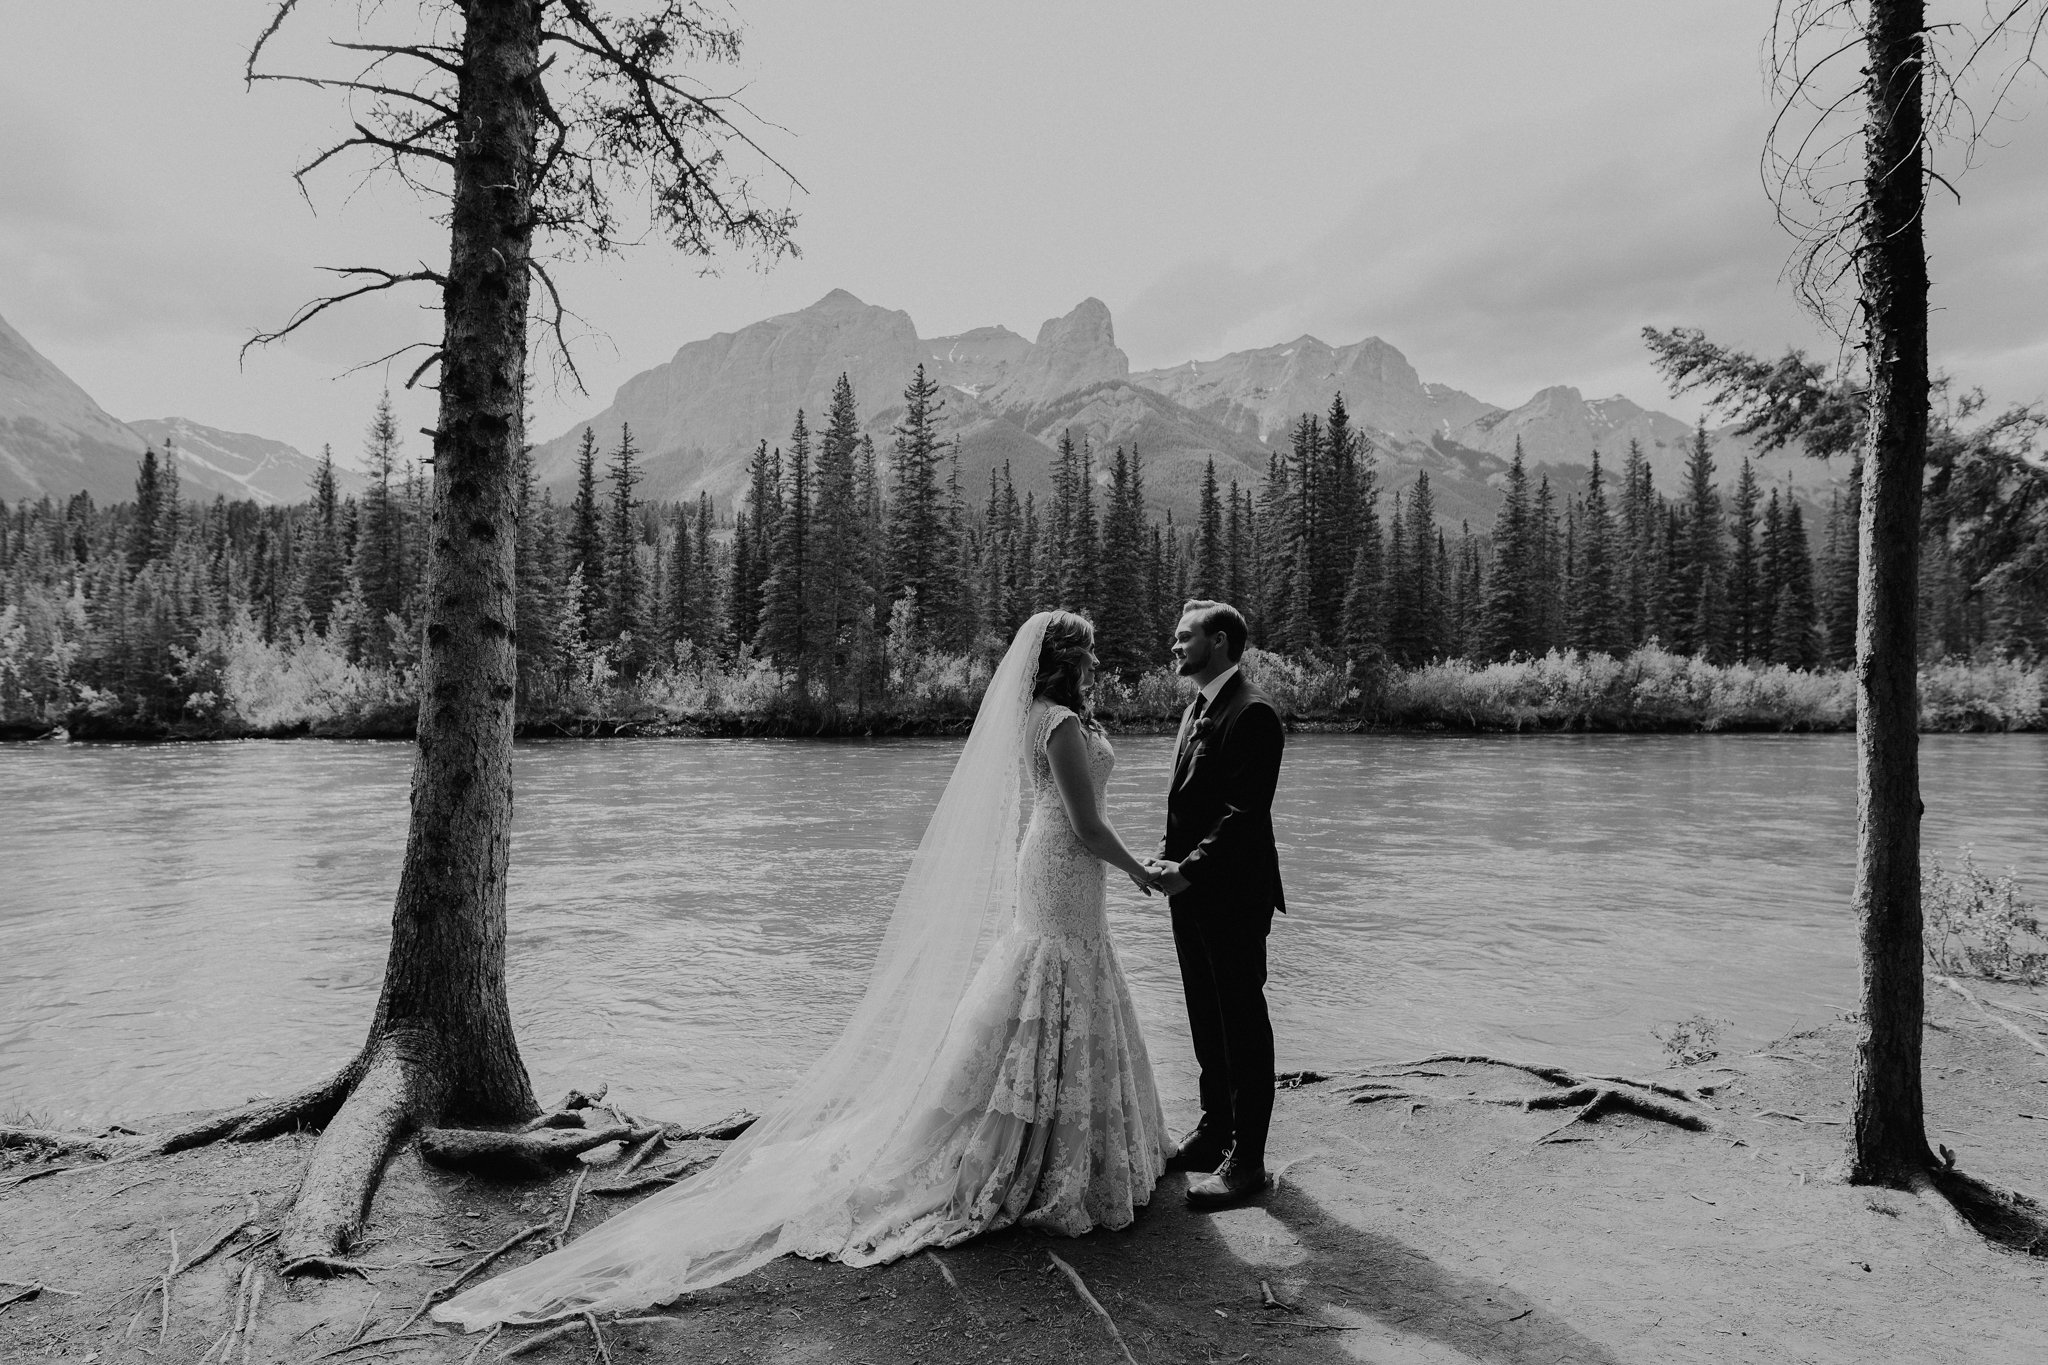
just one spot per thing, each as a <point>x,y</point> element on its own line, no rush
<point>1507,192</point>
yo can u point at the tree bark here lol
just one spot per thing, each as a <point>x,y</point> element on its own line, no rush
<point>446,973</point>
<point>441,1047</point>
<point>1889,1141</point>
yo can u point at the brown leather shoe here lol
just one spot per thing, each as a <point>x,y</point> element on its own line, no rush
<point>1201,1150</point>
<point>1235,1182</point>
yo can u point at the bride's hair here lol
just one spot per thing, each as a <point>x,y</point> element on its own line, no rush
<point>1069,643</point>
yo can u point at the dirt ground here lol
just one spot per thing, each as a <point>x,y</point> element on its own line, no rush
<point>1429,1230</point>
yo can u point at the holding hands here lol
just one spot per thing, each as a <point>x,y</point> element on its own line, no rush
<point>1164,877</point>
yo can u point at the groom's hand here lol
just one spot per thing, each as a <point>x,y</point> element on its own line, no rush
<point>1169,879</point>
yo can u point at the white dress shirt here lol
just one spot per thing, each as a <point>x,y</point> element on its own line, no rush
<point>1214,686</point>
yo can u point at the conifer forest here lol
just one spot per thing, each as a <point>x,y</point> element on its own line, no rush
<point>853,589</point>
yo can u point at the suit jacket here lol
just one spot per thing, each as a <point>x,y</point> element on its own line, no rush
<point>1219,813</point>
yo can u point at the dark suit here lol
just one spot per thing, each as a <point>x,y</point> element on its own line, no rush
<point>1219,828</point>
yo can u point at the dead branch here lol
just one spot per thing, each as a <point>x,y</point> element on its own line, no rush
<point>727,1128</point>
<point>2008,1025</point>
<point>380,279</point>
<point>1074,1278</point>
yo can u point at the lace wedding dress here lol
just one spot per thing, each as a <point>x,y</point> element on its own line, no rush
<point>993,1074</point>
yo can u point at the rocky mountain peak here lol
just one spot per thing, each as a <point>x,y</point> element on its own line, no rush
<point>1072,353</point>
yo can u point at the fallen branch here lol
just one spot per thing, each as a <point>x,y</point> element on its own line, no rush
<point>1074,1278</point>
<point>1797,1118</point>
<point>170,1272</point>
<point>32,1292</point>
<point>638,1156</point>
<point>727,1128</point>
<point>947,1272</point>
<point>597,1335</point>
<point>2008,1025</point>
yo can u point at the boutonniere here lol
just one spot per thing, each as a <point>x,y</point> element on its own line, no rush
<point>1204,728</point>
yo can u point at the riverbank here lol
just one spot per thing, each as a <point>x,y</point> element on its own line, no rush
<point>1429,1228</point>
<point>305,691</point>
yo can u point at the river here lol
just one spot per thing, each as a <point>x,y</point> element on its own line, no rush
<point>183,926</point>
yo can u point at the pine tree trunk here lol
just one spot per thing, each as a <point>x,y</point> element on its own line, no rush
<point>1889,1143</point>
<point>441,1047</point>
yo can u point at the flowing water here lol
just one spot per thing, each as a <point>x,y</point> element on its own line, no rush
<point>185,926</point>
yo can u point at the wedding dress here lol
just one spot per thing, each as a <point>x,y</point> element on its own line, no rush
<point>992,1075</point>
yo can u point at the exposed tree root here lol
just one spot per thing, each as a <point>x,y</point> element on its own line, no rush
<point>395,1090</point>
<point>541,1152</point>
<point>1591,1097</point>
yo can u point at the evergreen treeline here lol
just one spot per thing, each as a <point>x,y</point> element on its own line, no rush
<point>843,570</point>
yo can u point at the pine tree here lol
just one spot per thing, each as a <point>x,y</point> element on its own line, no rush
<point>586,557</point>
<point>1210,571</point>
<point>538,595</point>
<point>753,544</point>
<point>323,571</point>
<point>679,584</point>
<point>1596,624</point>
<point>1364,596</point>
<point>1429,595</point>
<point>1511,622</point>
<point>1547,570</point>
<point>1795,639</point>
<point>1305,538</point>
<point>148,510</point>
<point>1273,558</point>
<point>785,635</point>
<point>1405,641</point>
<point>1770,574</point>
<point>841,608</point>
<point>1123,629</point>
<point>625,582</point>
<point>920,555</point>
<point>703,616</point>
<point>1638,579</point>
<point>1747,627</point>
<point>1241,554</point>
<point>1056,574</point>
<point>1698,592</point>
<point>380,566</point>
<point>1084,546</point>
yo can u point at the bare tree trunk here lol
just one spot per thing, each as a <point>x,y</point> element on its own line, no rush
<point>1889,1142</point>
<point>442,1047</point>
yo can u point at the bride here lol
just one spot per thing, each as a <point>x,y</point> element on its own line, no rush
<point>992,1075</point>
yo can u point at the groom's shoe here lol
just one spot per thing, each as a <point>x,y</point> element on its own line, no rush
<point>1202,1150</point>
<point>1234,1182</point>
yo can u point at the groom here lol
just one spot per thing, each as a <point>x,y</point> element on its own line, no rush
<point>1221,874</point>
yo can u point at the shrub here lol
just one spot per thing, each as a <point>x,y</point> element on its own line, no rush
<point>1974,924</point>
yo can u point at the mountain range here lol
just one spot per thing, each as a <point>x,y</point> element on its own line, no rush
<point>56,441</point>
<point>697,417</point>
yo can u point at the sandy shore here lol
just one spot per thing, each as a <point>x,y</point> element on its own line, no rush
<point>1430,1229</point>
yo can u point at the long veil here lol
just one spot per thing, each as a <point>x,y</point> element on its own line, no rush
<point>808,1174</point>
